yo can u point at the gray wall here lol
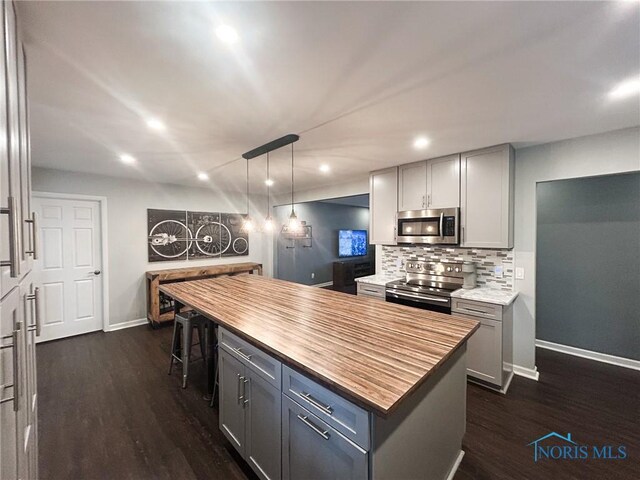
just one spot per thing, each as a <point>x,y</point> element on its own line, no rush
<point>601,154</point>
<point>127,203</point>
<point>326,219</point>
<point>588,268</point>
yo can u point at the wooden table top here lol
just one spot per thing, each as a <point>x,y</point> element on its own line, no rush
<point>186,272</point>
<point>369,351</point>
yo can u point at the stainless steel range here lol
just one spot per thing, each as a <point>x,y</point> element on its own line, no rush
<point>428,285</point>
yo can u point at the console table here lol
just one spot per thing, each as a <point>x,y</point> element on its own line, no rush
<point>155,278</point>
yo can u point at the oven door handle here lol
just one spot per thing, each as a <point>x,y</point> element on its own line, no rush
<point>414,296</point>
<point>441,225</point>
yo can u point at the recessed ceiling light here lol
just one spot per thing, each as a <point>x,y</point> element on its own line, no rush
<point>203,176</point>
<point>227,34</point>
<point>155,124</point>
<point>126,158</point>
<point>421,142</point>
<point>324,168</point>
<point>626,89</point>
<point>268,182</point>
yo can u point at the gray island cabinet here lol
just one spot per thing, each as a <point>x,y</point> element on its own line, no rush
<point>286,425</point>
<point>316,384</point>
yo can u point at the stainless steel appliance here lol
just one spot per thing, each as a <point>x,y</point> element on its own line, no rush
<point>428,285</point>
<point>435,227</point>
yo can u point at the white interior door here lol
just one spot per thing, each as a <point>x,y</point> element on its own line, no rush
<point>69,270</point>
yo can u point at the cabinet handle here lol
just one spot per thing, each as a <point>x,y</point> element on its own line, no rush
<point>14,346</point>
<point>14,255</point>
<point>242,354</point>
<point>474,310</point>
<point>325,408</point>
<point>462,234</point>
<point>429,200</point>
<point>240,379</point>
<point>245,400</point>
<point>323,433</point>
<point>34,235</point>
<point>36,306</point>
<point>423,202</point>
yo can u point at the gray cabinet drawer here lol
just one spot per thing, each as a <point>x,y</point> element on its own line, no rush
<point>347,418</point>
<point>371,290</point>
<point>478,309</point>
<point>312,450</point>
<point>263,364</point>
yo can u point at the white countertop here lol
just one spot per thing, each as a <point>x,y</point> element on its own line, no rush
<point>380,280</point>
<point>486,294</point>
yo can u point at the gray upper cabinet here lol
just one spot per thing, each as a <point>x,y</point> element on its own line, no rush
<point>443,182</point>
<point>486,214</point>
<point>383,206</point>
<point>412,186</point>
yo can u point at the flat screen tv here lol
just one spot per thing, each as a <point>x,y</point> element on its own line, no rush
<point>352,243</point>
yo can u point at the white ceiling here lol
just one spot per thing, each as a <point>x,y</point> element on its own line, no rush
<point>358,81</point>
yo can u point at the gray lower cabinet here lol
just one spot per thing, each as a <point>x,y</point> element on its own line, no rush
<point>311,449</point>
<point>250,415</point>
<point>490,348</point>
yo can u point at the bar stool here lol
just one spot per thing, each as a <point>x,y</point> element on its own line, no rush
<point>185,323</point>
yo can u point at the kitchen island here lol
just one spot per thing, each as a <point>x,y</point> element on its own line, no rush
<point>320,384</point>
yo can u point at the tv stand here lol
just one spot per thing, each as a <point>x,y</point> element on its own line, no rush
<point>346,271</point>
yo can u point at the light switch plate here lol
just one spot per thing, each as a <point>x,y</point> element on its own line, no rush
<point>519,273</point>
<point>498,271</point>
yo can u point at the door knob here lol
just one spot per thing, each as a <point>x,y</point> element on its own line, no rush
<point>96,272</point>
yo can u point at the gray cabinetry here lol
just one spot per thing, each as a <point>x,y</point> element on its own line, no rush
<point>490,348</point>
<point>250,399</point>
<point>443,182</point>
<point>412,186</point>
<point>486,210</point>
<point>311,449</point>
<point>383,206</point>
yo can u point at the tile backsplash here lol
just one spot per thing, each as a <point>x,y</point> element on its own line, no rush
<point>393,259</point>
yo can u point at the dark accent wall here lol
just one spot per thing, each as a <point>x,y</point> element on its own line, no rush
<point>588,263</point>
<point>297,264</point>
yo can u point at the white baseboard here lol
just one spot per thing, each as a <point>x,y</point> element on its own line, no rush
<point>131,323</point>
<point>456,464</point>
<point>530,373</point>
<point>590,355</point>
<point>320,285</point>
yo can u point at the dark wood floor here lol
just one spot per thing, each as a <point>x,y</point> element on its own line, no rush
<point>108,410</point>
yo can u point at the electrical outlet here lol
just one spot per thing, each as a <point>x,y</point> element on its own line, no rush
<point>519,273</point>
<point>498,271</point>
<point>313,275</point>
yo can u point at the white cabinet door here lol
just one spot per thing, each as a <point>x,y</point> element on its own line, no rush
<point>443,182</point>
<point>311,449</point>
<point>383,206</point>
<point>231,401</point>
<point>10,199</point>
<point>27,230</point>
<point>412,186</point>
<point>484,352</point>
<point>263,429</point>
<point>487,198</point>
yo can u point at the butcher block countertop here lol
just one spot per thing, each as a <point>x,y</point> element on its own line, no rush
<point>371,352</point>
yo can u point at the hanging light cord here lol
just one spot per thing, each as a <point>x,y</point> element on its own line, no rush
<point>292,177</point>
<point>247,186</point>
<point>268,187</point>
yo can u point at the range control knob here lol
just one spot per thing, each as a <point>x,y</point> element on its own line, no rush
<point>449,269</point>
<point>458,269</point>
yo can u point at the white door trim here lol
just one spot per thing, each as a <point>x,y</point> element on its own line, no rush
<point>104,247</point>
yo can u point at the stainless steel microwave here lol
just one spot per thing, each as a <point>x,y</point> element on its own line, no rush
<point>439,226</point>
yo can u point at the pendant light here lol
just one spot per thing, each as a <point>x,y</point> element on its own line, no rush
<point>247,224</point>
<point>293,225</point>
<point>268,221</point>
